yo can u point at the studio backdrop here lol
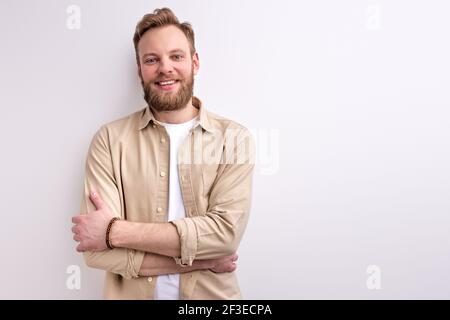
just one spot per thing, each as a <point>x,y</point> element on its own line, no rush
<point>348,102</point>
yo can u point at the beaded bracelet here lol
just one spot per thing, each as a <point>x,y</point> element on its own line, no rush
<point>108,231</point>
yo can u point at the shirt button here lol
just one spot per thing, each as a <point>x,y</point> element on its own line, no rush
<point>162,174</point>
<point>163,140</point>
<point>149,279</point>
<point>183,178</point>
<point>159,209</point>
<point>154,126</point>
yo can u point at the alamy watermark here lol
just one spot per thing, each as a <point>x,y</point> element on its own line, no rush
<point>373,21</point>
<point>73,21</point>
<point>373,281</point>
<point>234,146</point>
<point>73,281</point>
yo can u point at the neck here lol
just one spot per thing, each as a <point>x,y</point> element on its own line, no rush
<point>185,114</point>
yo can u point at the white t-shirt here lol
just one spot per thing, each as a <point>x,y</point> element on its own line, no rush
<point>168,286</point>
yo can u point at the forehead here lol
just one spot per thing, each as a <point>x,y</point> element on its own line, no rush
<point>163,39</point>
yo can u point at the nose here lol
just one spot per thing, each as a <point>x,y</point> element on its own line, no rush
<point>165,66</point>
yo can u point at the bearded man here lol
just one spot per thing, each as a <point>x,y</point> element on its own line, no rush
<point>167,189</point>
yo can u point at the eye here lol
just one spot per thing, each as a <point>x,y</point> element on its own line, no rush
<point>150,60</point>
<point>177,56</point>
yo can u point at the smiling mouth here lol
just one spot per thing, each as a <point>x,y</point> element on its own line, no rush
<point>166,84</point>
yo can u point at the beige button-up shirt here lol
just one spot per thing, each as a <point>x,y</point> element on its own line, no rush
<point>128,164</point>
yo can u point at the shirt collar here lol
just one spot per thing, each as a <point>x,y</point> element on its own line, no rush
<point>147,116</point>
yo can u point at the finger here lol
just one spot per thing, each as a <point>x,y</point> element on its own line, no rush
<point>74,229</point>
<point>76,238</point>
<point>76,219</point>
<point>80,248</point>
<point>234,257</point>
<point>96,200</point>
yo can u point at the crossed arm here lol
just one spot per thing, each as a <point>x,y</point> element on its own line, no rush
<point>155,264</point>
<point>159,241</point>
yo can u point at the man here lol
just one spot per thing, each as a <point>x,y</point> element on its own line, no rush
<point>167,189</point>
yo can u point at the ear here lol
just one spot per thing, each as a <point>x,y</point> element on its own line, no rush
<point>196,62</point>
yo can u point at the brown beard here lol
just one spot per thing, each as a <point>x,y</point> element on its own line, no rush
<point>168,101</point>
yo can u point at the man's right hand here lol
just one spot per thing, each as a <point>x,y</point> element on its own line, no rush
<point>224,264</point>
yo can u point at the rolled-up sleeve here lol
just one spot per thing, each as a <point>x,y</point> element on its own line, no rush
<point>219,231</point>
<point>99,175</point>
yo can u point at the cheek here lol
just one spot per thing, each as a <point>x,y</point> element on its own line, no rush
<point>185,71</point>
<point>147,74</point>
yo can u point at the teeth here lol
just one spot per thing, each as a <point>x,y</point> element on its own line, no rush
<point>165,83</point>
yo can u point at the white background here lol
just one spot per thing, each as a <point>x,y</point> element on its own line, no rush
<point>349,100</point>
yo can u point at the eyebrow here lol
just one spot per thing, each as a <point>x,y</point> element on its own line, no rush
<point>171,51</point>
